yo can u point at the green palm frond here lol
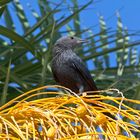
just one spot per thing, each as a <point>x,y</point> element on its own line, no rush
<point>30,50</point>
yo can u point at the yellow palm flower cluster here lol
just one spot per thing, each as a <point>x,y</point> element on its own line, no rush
<point>44,114</point>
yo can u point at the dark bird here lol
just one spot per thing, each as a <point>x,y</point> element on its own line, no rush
<point>68,68</point>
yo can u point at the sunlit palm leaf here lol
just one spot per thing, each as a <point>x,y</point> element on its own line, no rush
<point>31,52</point>
<point>104,41</point>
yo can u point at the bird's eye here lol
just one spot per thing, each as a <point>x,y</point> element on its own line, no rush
<point>72,37</point>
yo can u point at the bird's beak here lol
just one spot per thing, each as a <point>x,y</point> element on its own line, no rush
<point>80,41</point>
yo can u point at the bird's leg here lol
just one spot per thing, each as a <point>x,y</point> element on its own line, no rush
<point>81,89</point>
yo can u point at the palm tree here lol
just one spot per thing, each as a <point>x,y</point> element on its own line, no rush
<point>25,58</point>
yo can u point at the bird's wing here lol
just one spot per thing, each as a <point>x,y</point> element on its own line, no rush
<point>55,76</point>
<point>84,73</point>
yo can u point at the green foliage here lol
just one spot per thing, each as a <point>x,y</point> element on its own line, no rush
<point>38,39</point>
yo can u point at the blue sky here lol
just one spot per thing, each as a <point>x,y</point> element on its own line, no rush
<point>129,11</point>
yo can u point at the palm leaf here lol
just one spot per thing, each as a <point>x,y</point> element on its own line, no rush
<point>31,52</point>
<point>4,2</point>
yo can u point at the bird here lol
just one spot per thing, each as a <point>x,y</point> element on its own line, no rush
<point>68,68</point>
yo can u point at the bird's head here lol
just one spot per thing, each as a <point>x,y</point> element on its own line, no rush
<point>68,42</point>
